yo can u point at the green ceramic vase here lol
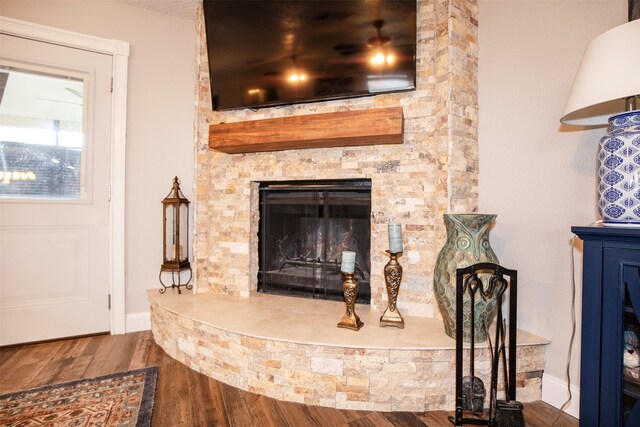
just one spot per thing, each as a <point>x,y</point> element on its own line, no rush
<point>467,244</point>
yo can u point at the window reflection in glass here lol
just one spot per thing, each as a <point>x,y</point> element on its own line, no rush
<point>41,135</point>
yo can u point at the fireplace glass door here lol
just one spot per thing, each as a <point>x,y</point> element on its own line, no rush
<point>304,227</point>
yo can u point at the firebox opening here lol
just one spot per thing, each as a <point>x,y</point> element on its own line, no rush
<point>303,228</point>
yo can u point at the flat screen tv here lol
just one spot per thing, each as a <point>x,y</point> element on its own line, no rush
<point>278,52</point>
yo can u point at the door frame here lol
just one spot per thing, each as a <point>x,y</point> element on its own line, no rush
<point>119,51</point>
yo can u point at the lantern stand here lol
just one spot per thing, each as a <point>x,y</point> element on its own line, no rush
<point>175,238</point>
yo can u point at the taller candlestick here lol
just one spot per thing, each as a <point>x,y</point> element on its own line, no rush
<point>393,278</point>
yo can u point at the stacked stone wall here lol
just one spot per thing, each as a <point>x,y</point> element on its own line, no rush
<point>433,172</point>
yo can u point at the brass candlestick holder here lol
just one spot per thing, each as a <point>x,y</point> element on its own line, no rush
<point>350,319</point>
<point>392,277</point>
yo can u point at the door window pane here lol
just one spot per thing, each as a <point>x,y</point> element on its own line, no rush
<point>42,147</point>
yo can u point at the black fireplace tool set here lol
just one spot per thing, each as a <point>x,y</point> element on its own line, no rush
<point>470,389</point>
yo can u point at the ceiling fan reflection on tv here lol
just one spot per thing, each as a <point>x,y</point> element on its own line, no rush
<point>359,48</point>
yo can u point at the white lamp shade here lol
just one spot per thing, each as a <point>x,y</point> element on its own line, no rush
<point>608,73</point>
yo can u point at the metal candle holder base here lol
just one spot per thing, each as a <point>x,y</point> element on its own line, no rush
<point>175,272</point>
<point>350,319</point>
<point>393,278</point>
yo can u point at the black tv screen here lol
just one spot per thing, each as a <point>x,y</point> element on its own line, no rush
<point>278,52</point>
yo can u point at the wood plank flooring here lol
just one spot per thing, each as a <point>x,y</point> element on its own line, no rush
<point>187,398</point>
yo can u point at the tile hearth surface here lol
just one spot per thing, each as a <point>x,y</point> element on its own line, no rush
<point>310,321</point>
<point>291,349</point>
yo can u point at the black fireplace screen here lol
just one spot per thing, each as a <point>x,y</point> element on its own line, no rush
<point>304,227</point>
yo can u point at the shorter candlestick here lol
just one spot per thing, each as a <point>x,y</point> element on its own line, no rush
<point>393,278</point>
<point>350,319</point>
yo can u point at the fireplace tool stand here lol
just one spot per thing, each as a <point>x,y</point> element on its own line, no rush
<point>470,392</point>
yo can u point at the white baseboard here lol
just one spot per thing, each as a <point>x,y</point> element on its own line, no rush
<point>554,392</point>
<point>138,322</point>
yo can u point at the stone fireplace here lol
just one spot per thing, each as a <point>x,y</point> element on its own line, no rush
<point>434,170</point>
<point>266,344</point>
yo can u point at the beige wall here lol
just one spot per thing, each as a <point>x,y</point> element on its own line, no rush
<point>536,175</point>
<point>160,115</point>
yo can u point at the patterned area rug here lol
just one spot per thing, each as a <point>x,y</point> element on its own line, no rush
<point>123,399</point>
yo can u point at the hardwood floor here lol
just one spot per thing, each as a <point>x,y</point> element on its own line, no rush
<point>187,398</point>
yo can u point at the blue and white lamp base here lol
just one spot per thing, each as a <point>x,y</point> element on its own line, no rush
<point>619,171</point>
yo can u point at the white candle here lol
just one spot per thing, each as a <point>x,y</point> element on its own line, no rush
<point>173,253</point>
<point>395,238</point>
<point>348,262</point>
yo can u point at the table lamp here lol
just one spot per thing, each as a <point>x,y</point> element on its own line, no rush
<point>605,90</point>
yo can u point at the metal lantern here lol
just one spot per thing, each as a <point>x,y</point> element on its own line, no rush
<point>175,238</point>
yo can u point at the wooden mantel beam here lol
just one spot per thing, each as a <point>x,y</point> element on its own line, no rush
<point>339,129</point>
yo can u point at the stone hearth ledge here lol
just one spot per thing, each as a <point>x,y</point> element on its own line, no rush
<point>290,349</point>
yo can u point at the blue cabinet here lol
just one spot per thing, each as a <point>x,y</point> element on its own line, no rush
<point>609,374</point>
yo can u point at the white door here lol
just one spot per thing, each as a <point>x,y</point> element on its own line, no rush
<point>55,115</point>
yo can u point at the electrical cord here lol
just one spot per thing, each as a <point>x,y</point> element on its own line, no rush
<point>573,332</point>
<point>573,327</point>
